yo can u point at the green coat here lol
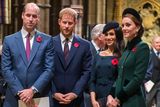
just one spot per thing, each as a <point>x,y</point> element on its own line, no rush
<point>131,72</point>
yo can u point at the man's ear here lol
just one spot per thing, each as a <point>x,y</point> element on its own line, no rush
<point>22,16</point>
<point>59,21</point>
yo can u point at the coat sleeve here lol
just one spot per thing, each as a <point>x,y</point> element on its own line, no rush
<point>7,71</point>
<point>149,69</point>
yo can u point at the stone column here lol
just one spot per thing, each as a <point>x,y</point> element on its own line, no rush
<point>79,9</point>
<point>92,12</point>
<point>44,15</point>
<point>54,15</point>
<point>101,11</point>
<point>118,11</point>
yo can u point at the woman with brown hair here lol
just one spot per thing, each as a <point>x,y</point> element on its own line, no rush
<point>132,65</point>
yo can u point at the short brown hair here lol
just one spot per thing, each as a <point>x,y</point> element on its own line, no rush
<point>69,11</point>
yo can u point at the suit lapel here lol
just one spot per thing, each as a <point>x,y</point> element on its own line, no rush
<point>35,47</point>
<point>73,50</point>
<point>21,47</point>
<point>58,48</point>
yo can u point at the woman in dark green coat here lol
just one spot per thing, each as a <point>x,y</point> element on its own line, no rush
<point>132,65</point>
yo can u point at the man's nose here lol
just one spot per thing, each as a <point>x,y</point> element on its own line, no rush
<point>66,24</point>
<point>31,17</point>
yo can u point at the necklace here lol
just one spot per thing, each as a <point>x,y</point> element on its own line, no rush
<point>109,51</point>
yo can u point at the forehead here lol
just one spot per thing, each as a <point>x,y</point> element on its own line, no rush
<point>67,17</point>
<point>127,20</point>
<point>157,39</point>
<point>31,10</point>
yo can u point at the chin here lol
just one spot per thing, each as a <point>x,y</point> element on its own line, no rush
<point>111,44</point>
<point>127,37</point>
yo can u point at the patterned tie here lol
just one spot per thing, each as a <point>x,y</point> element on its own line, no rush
<point>66,48</point>
<point>28,48</point>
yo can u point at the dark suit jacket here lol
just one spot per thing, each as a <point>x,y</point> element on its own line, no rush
<point>153,74</point>
<point>93,49</point>
<point>131,71</point>
<point>73,75</point>
<point>20,73</point>
<point>155,67</point>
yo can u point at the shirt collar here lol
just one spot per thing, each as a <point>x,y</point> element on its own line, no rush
<point>62,37</point>
<point>95,45</point>
<point>155,51</point>
<point>25,33</point>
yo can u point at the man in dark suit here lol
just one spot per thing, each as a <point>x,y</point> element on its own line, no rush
<point>97,42</point>
<point>27,61</point>
<point>153,73</point>
<point>73,62</point>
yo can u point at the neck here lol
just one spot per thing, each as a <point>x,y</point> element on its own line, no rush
<point>110,49</point>
<point>28,30</point>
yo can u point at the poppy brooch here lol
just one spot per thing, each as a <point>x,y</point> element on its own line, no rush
<point>39,39</point>
<point>76,44</point>
<point>114,61</point>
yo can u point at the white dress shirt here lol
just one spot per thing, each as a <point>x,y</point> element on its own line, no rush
<point>95,45</point>
<point>24,36</point>
<point>155,51</point>
<point>63,41</point>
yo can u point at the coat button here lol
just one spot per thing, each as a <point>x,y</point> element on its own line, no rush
<point>122,67</point>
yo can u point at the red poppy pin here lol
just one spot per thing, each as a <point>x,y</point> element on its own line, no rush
<point>115,61</point>
<point>76,44</point>
<point>39,39</point>
<point>134,49</point>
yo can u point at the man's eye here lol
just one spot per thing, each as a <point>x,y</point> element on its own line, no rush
<point>34,16</point>
<point>28,15</point>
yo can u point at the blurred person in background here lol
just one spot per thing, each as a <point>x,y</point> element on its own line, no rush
<point>97,39</point>
<point>153,74</point>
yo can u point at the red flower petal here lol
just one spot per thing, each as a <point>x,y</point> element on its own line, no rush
<point>39,39</point>
<point>134,49</point>
<point>76,44</point>
<point>114,61</point>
